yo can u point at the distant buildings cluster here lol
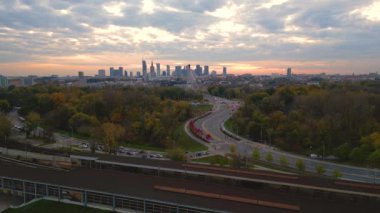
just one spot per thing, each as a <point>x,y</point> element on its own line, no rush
<point>154,71</point>
<point>17,81</point>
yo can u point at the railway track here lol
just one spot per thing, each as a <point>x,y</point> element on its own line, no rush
<point>27,164</point>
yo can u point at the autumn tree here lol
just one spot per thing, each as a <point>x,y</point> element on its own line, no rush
<point>5,127</point>
<point>110,135</point>
<point>33,120</point>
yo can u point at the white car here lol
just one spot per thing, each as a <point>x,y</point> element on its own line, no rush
<point>85,146</point>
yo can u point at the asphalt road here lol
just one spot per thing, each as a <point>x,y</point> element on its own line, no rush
<point>214,123</point>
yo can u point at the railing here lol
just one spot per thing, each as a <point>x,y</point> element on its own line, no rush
<point>34,190</point>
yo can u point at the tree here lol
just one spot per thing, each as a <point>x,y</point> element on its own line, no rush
<point>5,127</point>
<point>337,174</point>
<point>33,120</point>
<point>5,106</point>
<point>284,161</point>
<point>269,157</point>
<point>343,151</point>
<point>256,154</point>
<point>300,165</point>
<point>176,154</point>
<point>320,169</point>
<point>110,134</point>
<point>374,158</point>
<point>373,139</point>
<point>232,149</point>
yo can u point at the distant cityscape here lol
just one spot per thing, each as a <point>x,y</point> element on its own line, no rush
<point>179,76</point>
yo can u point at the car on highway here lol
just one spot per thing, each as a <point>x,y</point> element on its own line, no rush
<point>85,146</point>
<point>100,147</point>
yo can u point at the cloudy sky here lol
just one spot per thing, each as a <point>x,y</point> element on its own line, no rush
<point>265,36</point>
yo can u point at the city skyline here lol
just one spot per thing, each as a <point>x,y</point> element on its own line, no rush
<point>258,37</point>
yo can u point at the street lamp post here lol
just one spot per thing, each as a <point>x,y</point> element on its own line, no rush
<point>72,135</point>
<point>6,145</point>
<point>323,154</point>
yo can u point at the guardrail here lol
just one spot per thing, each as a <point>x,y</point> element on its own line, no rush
<point>199,133</point>
<point>30,190</point>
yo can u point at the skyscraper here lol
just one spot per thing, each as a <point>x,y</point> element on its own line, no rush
<point>158,69</point>
<point>206,70</point>
<point>81,74</point>
<point>289,72</point>
<point>152,72</point>
<point>224,71</point>
<point>198,70</point>
<point>144,68</point>
<point>177,70</point>
<point>3,81</point>
<point>116,73</point>
<point>167,70</point>
<point>102,73</point>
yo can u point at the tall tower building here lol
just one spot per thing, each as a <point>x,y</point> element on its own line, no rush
<point>144,68</point>
<point>3,82</point>
<point>81,74</point>
<point>158,69</point>
<point>152,72</point>
<point>167,70</point>
<point>206,70</point>
<point>198,70</point>
<point>112,72</point>
<point>289,72</point>
<point>102,73</point>
<point>224,71</point>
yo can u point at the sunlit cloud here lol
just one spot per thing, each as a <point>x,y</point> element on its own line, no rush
<point>114,8</point>
<point>70,35</point>
<point>272,3</point>
<point>228,11</point>
<point>148,6</point>
<point>371,12</point>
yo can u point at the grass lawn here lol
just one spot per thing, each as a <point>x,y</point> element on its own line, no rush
<point>75,135</point>
<point>186,143</point>
<point>214,160</point>
<point>202,108</point>
<point>53,206</point>
<point>229,125</point>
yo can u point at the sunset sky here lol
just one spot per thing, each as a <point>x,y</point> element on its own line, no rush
<point>47,37</point>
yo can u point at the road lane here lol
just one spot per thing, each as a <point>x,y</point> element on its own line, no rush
<point>215,122</point>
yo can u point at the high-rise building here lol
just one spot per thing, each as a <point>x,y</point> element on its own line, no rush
<point>206,70</point>
<point>130,74</point>
<point>164,73</point>
<point>3,82</point>
<point>138,74</point>
<point>126,73</point>
<point>167,70</point>
<point>102,73</point>
<point>144,68</point>
<point>224,71</point>
<point>116,73</point>
<point>289,72</point>
<point>81,74</point>
<point>158,69</point>
<point>198,70</point>
<point>152,72</point>
<point>177,70</point>
<point>30,80</point>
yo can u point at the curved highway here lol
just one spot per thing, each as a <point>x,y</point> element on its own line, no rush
<point>220,144</point>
